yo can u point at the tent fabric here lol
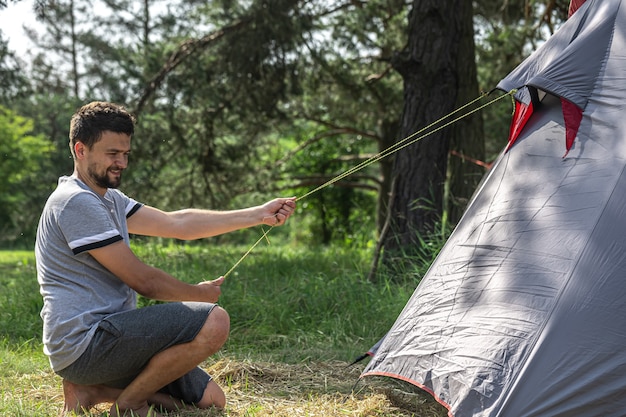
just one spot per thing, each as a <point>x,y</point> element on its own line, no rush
<point>523,313</point>
<point>559,67</point>
<point>568,63</point>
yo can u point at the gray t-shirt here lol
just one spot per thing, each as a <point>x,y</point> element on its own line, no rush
<point>77,291</point>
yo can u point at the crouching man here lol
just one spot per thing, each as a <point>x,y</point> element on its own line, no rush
<point>97,340</point>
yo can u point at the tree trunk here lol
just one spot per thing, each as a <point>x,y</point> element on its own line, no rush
<point>433,68</point>
<point>468,142</point>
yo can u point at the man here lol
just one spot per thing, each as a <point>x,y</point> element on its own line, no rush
<point>105,348</point>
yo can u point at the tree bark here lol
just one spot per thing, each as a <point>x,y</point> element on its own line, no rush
<point>434,68</point>
<point>468,141</point>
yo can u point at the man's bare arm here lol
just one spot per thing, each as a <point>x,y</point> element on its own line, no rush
<point>152,282</point>
<point>192,224</point>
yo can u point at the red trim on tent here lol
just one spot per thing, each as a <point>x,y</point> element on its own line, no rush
<point>572,115</point>
<point>574,5</point>
<point>520,117</point>
<point>417,384</point>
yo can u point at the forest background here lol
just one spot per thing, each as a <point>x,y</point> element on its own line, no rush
<point>239,101</point>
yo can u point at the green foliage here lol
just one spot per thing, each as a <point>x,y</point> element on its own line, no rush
<point>20,301</point>
<point>204,132</point>
<point>343,211</point>
<point>354,99</point>
<point>22,157</point>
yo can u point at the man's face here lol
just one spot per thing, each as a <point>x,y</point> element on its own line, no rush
<point>106,160</point>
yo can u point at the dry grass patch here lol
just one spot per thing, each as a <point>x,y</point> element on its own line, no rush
<point>324,389</point>
<point>315,390</point>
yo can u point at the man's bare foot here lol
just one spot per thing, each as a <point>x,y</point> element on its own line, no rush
<point>144,411</point>
<point>80,398</point>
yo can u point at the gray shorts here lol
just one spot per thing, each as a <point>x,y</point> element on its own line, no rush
<point>125,342</point>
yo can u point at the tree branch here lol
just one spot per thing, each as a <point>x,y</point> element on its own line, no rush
<point>184,51</point>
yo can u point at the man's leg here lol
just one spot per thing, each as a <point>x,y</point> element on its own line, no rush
<point>127,341</point>
<point>172,364</point>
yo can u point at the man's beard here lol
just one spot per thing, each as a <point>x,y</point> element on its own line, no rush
<point>103,180</point>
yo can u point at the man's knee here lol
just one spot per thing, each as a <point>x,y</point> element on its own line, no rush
<point>214,332</point>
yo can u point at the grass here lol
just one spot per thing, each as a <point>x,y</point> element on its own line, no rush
<point>299,316</point>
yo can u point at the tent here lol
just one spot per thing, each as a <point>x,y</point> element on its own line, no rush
<point>523,312</point>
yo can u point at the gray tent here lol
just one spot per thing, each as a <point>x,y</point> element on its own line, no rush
<point>523,313</point>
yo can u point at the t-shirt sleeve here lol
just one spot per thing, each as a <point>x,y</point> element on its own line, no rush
<point>131,207</point>
<point>87,223</point>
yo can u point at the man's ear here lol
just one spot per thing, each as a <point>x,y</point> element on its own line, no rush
<point>79,150</point>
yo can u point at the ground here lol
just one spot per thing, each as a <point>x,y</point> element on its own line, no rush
<point>323,389</point>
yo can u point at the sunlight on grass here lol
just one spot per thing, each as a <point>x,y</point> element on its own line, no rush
<point>29,387</point>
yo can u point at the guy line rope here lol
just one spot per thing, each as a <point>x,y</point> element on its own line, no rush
<point>409,140</point>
